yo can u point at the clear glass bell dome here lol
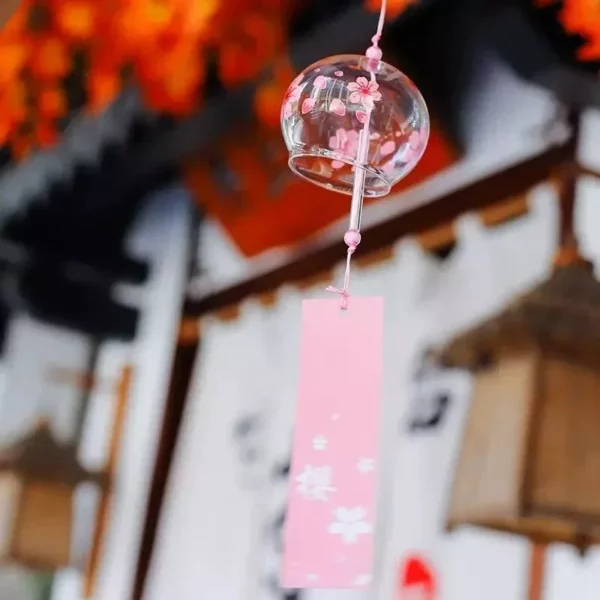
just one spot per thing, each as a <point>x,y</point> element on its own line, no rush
<point>325,110</point>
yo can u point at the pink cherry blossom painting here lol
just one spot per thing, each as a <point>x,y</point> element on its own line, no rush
<point>308,105</point>
<point>365,92</point>
<point>337,107</point>
<point>320,83</point>
<point>362,116</point>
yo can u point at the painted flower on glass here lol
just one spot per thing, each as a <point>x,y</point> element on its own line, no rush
<point>416,141</point>
<point>292,96</point>
<point>320,83</point>
<point>365,92</point>
<point>346,143</point>
<point>350,524</point>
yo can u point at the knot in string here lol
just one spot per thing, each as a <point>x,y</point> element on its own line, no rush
<point>352,238</point>
<point>374,52</point>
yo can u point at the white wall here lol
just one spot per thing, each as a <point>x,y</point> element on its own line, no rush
<point>32,350</point>
<point>160,236</point>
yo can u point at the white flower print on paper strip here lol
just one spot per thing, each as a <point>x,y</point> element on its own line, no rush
<point>366,465</point>
<point>363,580</point>
<point>315,483</point>
<point>350,524</point>
<point>319,443</point>
<point>365,92</point>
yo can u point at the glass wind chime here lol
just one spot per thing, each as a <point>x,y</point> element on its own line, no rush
<point>355,125</point>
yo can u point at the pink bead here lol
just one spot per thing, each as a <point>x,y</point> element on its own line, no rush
<point>352,238</point>
<point>374,53</point>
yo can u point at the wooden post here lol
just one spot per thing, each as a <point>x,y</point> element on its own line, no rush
<point>568,248</point>
<point>102,515</point>
<point>181,375</point>
<point>537,567</point>
<point>182,368</point>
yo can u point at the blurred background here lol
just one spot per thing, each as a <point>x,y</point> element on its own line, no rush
<point>154,253</point>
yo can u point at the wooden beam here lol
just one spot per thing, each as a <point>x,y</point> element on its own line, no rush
<point>568,245</point>
<point>104,508</point>
<point>493,190</point>
<point>537,566</point>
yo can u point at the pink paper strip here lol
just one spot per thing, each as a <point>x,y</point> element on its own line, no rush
<point>330,521</point>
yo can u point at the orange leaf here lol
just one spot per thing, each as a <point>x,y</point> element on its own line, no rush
<point>50,59</point>
<point>103,88</point>
<point>106,57</point>
<point>13,100</point>
<point>267,104</point>
<point>17,24</point>
<point>196,18</point>
<point>21,147</point>
<point>51,102</point>
<point>234,68</point>
<point>142,21</point>
<point>6,128</point>
<point>582,17</point>
<point>45,134</point>
<point>177,91</point>
<point>76,18</point>
<point>13,56</point>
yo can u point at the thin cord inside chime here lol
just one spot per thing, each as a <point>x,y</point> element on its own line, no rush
<point>352,237</point>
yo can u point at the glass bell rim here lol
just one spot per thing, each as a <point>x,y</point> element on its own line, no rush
<point>369,192</point>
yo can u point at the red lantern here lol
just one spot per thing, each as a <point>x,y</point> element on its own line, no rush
<point>416,580</point>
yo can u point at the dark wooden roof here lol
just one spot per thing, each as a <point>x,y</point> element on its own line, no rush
<point>562,313</point>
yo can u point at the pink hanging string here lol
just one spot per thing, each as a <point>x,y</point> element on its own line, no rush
<point>352,237</point>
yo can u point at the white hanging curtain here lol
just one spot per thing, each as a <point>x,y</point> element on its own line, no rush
<point>208,533</point>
